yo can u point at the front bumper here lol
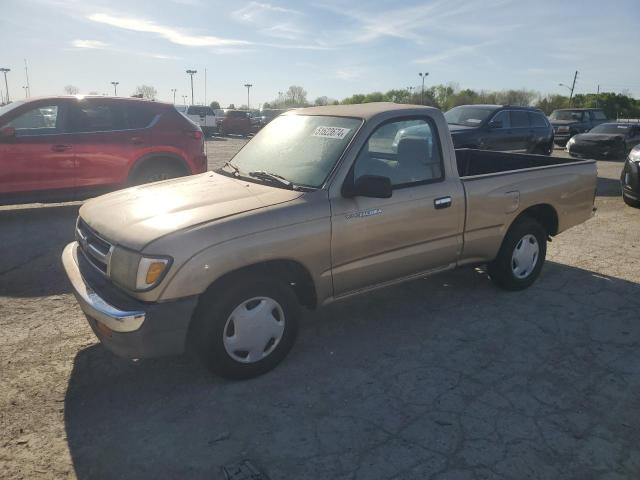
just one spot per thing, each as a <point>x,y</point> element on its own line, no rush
<point>126,326</point>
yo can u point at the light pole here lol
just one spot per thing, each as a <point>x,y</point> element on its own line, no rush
<point>248,85</point>
<point>6,85</point>
<point>191,73</point>
<point>423,76</point>
<point>26,91</point>
<point>184,99</point>
<point>115,88</point>
<point>174,90</point>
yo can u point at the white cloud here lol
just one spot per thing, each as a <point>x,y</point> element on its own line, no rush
<point>171,34</point>
<point>256,12</point>
<point>451,53</point>
<point>95,44</point>
<point>348,73</point>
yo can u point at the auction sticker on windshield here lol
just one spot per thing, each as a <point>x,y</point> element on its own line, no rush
<point>331,132</point>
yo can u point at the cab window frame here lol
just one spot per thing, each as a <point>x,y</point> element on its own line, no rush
<point>350,177</point>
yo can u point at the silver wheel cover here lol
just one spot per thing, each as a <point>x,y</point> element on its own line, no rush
<point>254,329</point>
<point>525,256</point>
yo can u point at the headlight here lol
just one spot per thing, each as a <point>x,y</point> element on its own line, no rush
<point>634,155</point>
<point>571,141</point>
<point>134,271</point>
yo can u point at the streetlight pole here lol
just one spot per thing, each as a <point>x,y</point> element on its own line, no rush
<point>184,99</point>
<point>191,73</point>
<point>26,91</point>
<point>423,76</point>
<point>6,85</point>
<point>115,88</point>
<point>174,90</point>
<point>248,85</point>
<point>570,88</point>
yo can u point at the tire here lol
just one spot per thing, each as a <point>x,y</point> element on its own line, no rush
<point>518,264</point>
<point>156,170</point>
<point>631,202</point>
<point>219,320</point>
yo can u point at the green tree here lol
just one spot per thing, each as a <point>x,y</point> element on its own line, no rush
<point>215,105</point>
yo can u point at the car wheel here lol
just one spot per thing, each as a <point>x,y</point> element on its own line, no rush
<point>246,327</point>
<point>156,171</point>
<point>521,255</point>
<point>631,202</point>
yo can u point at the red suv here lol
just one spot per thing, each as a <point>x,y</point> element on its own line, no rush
<point>65,148</point>
<point>235,122</point>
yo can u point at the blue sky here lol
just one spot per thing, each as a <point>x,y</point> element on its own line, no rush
<point>330,48</point>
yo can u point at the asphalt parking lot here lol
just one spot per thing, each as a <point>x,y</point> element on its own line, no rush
<point>441,378</point>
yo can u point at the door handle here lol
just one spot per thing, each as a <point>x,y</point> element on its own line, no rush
<point>442,202</point>
<point>61,148</point>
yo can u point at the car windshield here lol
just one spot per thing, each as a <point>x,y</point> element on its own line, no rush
<point>566,115</point>
<point>468,116</point>
<point>610,128</point>
<point>302,149</point>
<point>10,106</point>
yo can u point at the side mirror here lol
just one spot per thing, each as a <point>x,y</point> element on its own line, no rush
<point>7,133</point>
<point>495,124</point>
<point>373,186</point>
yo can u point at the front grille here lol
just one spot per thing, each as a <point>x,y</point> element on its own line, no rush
<point>95,249</point>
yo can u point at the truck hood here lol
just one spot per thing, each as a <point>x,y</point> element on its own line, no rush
<point>598,137</point>
<point>137,216</point>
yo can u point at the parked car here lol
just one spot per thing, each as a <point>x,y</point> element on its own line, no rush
<point>268,114</point>
<point>568,122</point>
<point>64,148</point>
<point>204,117</point>
<point>607,140</point>
<point>630,178</point>
<point>236,122</point>
<point>317,207</point>
<point>500,127</point>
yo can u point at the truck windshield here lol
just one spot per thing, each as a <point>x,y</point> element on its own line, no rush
<point>575,115</point>
<point>467,116</point>
<point>299,148</point>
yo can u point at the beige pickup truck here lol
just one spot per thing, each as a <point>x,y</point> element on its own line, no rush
<point>322,204</point>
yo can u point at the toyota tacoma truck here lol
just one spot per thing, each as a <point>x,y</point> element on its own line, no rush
<point>324,203</point>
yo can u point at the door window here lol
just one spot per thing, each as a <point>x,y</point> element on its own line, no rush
<point>537,120</point>
<point>42,120</point>
<point>519,119</point>
<point>407,152</point>
<point>96,117</point>
<point>503,118</point>
<point>138,116</point>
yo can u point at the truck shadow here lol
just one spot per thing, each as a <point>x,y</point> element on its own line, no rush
<point>363,369</point>
<point>608,187</point>
<point>32,240</point>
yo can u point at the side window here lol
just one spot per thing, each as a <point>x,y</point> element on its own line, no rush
<point>599,115</point>
<point>96,117</point>
<point>407,152</point>
<point>43,120</point>
<point>586,117</point>
<point>503,118</point>
<point>138,116</point>
<point>537,120</point>
<point>519,119</point>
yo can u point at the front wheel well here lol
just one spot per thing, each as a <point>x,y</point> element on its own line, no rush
<point>290,272</point>
<point>158,159</point>
<point>544,214</point>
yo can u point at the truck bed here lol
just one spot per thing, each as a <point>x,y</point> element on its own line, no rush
<point>483,162</point>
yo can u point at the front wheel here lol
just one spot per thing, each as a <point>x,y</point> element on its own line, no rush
<point>246,327</point>
<point>521,255</point>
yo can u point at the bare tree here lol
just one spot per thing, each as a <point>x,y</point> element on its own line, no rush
<point>296,96</point>
<point>147,91</point>
<point>71,90</point>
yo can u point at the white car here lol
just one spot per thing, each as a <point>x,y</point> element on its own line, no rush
<point>202,116</point>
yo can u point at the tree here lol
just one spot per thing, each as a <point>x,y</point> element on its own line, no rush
<point>147,91</point>
<point>296,96</point>
<point>71,90</point>
<point>232,106</point>
<point>215,105</point>
<point>321,101</point>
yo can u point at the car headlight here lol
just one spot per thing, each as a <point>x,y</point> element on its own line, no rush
<point>571,142</point>
<point>634,155</point>
<point>136,272</point>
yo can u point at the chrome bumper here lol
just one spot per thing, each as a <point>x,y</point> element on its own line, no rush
<point>92,304</point>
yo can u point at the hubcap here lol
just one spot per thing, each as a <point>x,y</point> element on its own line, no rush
<point>525,256</point>
<point>254,329</point>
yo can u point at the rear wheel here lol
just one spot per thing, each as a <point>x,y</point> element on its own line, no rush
<point>521,255</point>
<point>246,327</point>
<point>155,170</point>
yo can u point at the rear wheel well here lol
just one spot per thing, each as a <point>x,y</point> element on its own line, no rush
<point>288,271</point>
<point>544,214</point>
<point>157,160</point>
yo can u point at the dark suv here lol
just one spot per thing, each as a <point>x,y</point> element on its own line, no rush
<point>500,127</point>
<point>65,148</point>
<point>568,122</point>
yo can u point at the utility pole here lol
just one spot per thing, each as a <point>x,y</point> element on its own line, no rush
<point>573,86</point>
<point>115,88</point>
<point>191,73</point>
<point>205,86</point>
<point>598,97</point>
<point>248,85</point>
<point>26,73</point>
<point>423,76</point>
<point>26,91</point>
<point>174,90</point>
<point>6,85</point>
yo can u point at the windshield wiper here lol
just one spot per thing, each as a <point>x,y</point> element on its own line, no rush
<point>236,170</point>
<point>272,177</point>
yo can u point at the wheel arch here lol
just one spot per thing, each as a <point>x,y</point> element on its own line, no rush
<point>173,158</point>
<point>544,214</point>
